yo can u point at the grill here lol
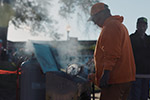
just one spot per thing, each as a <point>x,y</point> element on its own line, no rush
<point>40,80</point>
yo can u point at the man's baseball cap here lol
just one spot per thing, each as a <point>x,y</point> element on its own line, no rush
<point>96,8</point>
<point>142,20</point>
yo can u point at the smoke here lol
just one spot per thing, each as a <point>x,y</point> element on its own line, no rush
<point>65,52</point>
<point>29,49</point>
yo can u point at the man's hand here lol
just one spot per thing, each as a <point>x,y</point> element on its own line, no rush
<point>91,77</point>
<point>104,79</point>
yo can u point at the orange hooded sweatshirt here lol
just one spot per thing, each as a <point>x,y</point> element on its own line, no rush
<point>114,52</point>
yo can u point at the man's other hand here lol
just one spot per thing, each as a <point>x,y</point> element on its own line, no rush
<point>104,79</point>
<point>91,77</point>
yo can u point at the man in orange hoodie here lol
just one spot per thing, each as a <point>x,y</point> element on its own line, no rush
<point>113,56</point>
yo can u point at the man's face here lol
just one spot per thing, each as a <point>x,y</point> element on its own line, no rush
<point>98,18</point>
<point>141,27</point>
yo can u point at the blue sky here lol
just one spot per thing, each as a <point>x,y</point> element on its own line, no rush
<point>129,9</point>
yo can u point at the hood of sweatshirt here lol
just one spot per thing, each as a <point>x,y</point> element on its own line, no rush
<point>116,17</point>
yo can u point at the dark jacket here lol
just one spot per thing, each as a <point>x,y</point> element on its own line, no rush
<point>141,50</point>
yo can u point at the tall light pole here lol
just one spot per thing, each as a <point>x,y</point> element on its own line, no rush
<point>68,31</point>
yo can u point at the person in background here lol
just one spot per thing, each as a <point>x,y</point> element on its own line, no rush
<point>141,49</point>
<point>113,56</point>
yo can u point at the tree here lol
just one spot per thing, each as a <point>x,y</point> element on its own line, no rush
<point>79,9</point>
<point>34,15</point>
<point>30,14</point>
<point>6,12</point>
<point>68,7</point>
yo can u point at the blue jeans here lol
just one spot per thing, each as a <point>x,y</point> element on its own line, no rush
<point>139,89</point>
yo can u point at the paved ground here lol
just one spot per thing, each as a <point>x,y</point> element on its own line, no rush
<point>97,96</point>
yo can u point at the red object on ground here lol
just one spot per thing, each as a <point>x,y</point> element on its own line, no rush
<point>8,72</point>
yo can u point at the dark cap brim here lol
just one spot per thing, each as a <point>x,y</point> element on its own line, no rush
<point>90,19</point>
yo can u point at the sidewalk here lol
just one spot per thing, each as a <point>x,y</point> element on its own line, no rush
<point>97,96</point>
